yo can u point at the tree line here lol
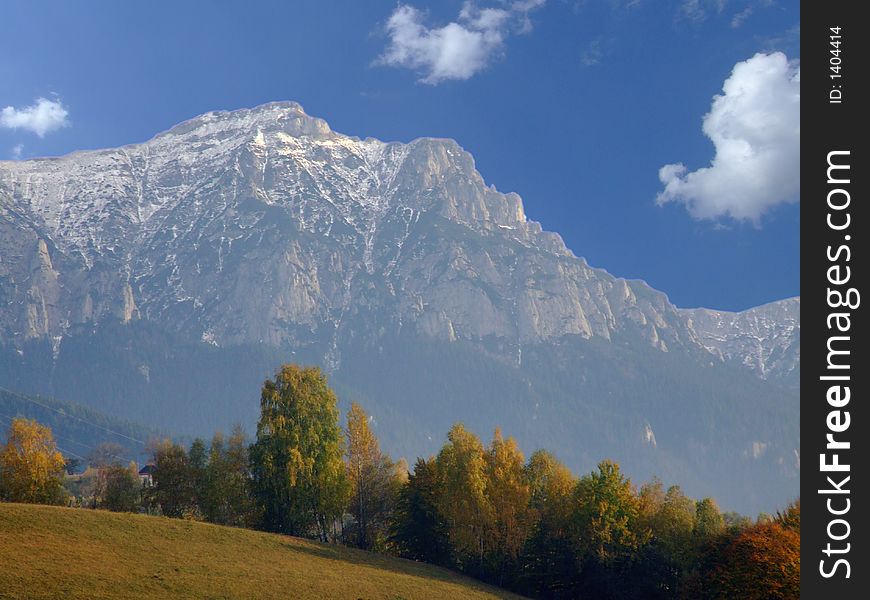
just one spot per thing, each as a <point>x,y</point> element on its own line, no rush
<point>529,525</point>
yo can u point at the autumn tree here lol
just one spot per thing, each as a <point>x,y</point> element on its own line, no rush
<point>508,493</point>
<point>464,502</point>
<point>240,508</point>
<point>298,473</point>
<point>790,518</point>
<point>548,563</point>
<point>419,531</point>
<point>673,524</point>
<point>374,482</point>
<point>31,467</point>
<point>760,563</point>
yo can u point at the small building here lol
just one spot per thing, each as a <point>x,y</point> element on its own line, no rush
<point>146,475</point>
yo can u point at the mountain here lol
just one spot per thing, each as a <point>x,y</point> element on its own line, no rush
<point>766,339</point>
<point>163,281</point>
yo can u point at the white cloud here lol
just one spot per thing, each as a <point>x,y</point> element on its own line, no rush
<point>701,10</point>
<point>740,18</point>
<point>755,128</point>
<point>17,150</point>
<point>698,10</point>
<point>460,49</point>
<point>791,37</point>
<point>593,54</point>
<point>43,116</point>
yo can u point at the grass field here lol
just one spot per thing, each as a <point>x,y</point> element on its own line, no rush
<point>50,552</point>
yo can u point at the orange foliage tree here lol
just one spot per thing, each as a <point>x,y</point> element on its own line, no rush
<point>761,563</point>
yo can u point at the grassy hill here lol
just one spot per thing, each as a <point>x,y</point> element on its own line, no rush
<point>50,552</point>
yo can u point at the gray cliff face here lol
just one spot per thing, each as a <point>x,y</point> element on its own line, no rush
<point>263,225</point>
<point>765,339</point>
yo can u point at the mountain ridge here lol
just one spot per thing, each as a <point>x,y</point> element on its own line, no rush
<point>481,208</point>
<point>248,237</point>
<point>763,338</point>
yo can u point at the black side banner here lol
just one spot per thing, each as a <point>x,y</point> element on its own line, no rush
<point>835,374</point>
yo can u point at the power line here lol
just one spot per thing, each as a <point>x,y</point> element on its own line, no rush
<point>59,437</point>
<point>78,456</point>
<point>65,414</point>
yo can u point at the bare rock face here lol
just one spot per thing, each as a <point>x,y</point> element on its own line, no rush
<point>42,296</point>
<point>264,225</point>
<point>765,339</point>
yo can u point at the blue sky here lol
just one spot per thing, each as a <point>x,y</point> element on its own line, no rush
<point>576,106</point>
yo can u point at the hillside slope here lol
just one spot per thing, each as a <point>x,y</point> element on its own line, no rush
<point>50,552</point>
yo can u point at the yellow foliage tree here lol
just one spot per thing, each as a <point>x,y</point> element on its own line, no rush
<point>31,468</point>
<point>463,500</point>
<point>509,493</point>
<point>374,481</point>
<point>298,475</point>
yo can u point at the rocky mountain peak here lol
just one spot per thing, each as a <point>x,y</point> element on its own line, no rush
<point>318,224</point>
<point>238,240</point>
<point>288,118</point>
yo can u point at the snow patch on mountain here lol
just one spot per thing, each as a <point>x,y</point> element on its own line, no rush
<point>765,339</point>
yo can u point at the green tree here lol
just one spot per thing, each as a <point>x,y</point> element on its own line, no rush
<point>708,520</point>
<point>606,515</point>
<point>373,480</point>
<point>31,468</point>
<point>122,491</point>
<point>735,522</point>
<point>669,518</point>
<point>172,489</point>
<point>225,496</point>
<point>240,509</point>
<point>607,532</point>
<point>211,496</point>
<point>197,463</point>
<point>419,531</point>
<point>298,473</point>
<point>672,526</point>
